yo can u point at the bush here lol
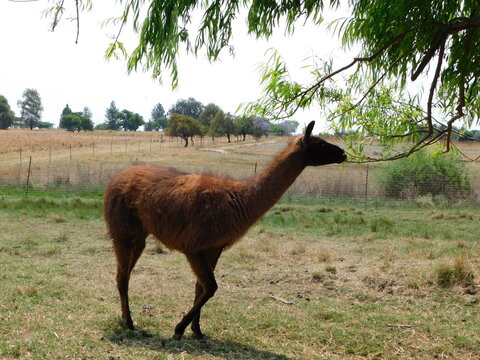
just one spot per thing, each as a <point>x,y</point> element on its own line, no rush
<point>425,174</point>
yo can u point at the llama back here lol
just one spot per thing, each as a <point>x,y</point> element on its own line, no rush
<point>186,212</point>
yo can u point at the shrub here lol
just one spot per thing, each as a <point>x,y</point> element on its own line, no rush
<point>425,174</point>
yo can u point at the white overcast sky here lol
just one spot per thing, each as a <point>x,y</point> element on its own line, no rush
<point>77,74</point>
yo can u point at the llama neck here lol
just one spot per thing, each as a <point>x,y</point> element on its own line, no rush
<point>264,190</point>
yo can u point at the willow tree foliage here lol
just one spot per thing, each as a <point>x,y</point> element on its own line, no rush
<point>401,42</point>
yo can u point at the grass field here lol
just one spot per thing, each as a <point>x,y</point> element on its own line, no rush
<point>341,278</point>
<point>309,281</point>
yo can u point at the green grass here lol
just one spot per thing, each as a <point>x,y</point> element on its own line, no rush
<point>309,281</point>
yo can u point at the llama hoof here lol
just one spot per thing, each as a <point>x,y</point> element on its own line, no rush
<point>127,324</point>
<point>177,336</point>
<point>129,327</point>
<point>199,336</point>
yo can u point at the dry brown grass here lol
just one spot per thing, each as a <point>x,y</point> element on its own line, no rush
<point>91,158</point>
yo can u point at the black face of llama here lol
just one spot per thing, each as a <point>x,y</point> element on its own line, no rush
<point>318,151</point>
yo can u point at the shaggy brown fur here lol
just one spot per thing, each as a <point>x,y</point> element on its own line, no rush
<point>199,215</point>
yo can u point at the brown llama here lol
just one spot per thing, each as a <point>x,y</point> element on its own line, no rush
<point>199,215</point>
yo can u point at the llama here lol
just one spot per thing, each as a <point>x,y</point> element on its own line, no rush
<point>197,214</point>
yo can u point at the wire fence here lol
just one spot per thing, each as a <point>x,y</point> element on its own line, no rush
<point>351,183</point>
<point>72,164</point>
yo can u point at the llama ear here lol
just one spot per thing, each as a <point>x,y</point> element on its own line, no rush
<point>308,131</point>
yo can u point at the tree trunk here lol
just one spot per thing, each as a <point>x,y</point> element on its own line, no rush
<point>228,138</point>
<point>186,141</point>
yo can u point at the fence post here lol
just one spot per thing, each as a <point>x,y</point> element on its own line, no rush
<point>19,179</point>
<point>70,152</point>
<point>366,187</point>
<point>255,168</point>
<point>93,149</point>
<point>49,164</point>
<point>28,177</point>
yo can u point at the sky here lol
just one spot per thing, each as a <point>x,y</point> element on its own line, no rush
<point>78,75</point>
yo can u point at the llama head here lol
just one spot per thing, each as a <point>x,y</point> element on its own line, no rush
<point>318,151</point>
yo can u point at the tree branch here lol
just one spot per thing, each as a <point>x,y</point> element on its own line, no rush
<point>57,15</point>
<point>314,88</point>
<point>459,113</point>
<point>78,21</point>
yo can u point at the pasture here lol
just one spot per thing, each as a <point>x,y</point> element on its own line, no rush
<point>314,279</point>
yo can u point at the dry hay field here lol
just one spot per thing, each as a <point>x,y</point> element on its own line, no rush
<point>312,280</point>
<point>89,159</point>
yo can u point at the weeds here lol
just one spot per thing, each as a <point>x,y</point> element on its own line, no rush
<point>456,272</point>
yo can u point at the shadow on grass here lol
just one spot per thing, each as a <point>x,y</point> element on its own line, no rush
<point>224,349</point>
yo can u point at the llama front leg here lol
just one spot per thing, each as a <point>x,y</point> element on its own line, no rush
<point>212,257</point>
<point>205,277</point>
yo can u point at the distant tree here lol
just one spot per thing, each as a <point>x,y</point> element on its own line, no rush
<point>71,122</point>
<point>19,123</point>
<point>87,123</point>
<point>206,116</point>
<point>222,125</point>
<point>101,126</point>
<point>7,116</point>
<point>290,126</point>
<point>156,125</point>
<point>64,124</point>
<point>244,125</point>
<point>130,121</point>
<point>111,117</point>
<point>76,121</point>
<point>87,112</point>
<point>260,127</point>
<point>158,120</point>
<point>66,110</point>
<point>45,125</point>
<point>184,126</point>
<point>31,107</point>
<point>285,128</point>
<point>158,112</point>
<point>189,107</point>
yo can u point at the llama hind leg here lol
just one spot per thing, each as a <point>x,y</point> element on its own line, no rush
<point>212,258</point>
<point>205,277</point>
<point>127,252</point>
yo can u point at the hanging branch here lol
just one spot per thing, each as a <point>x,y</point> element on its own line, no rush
<point>310,92</point>
<point>78,21</point>
<point>458,115</point>
<point>57,14</point>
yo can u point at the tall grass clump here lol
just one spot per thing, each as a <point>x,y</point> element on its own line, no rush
<point>425,174</point>
<point>457,272</point>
